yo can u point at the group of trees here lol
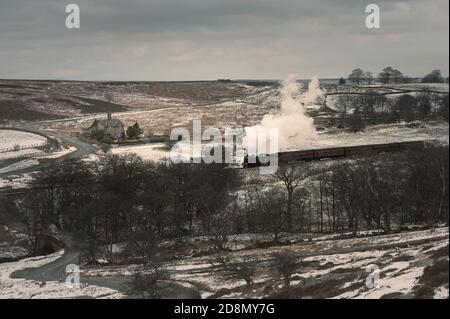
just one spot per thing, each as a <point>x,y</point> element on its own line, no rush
<point>372,193</point>
<point>360,109</point>
<point>400,189</point>
<point>369,193</point>
<point>359,76</point>
<point>134,131</point>
<point>125,201</point>
<point>390,75</point>
<point>387,76</point>
<point>434,77</point>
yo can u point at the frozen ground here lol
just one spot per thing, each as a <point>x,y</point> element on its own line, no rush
<point>385,133</point>
<point>411,264</point>
<point>327,268</point>
<point>11,139</point>
<point>330,272</point>
<point>151,152</point>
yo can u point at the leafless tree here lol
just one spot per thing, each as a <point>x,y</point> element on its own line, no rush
<point>285,264</point>
<point>147,284</point>
<point>238,267</point>
<point>291,177</point>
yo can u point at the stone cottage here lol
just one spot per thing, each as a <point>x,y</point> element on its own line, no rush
<point>115,128</point>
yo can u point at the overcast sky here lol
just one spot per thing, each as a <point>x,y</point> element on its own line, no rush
<point>210,39</point>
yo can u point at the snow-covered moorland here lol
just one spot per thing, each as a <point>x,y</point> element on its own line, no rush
<point>411,264</point>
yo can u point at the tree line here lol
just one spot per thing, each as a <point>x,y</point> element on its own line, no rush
<point>357,111</point>
<point>389,75</point>
<point>136,204</point>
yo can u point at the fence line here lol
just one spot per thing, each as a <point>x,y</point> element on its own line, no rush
<point>23,147</point>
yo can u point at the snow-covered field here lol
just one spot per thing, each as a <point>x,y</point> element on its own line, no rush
<point>344,273</point>
<point>384,133</point>
<point>378,134</point>
<point>21,153</point>
<point>11,139</point>
<point>150,152</point>
<point>444,87</point>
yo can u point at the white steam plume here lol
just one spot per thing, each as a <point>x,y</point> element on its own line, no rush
<point>295,129</point>
<point>314,93</point>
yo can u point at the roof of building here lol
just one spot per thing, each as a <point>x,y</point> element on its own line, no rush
<point>108,123</point>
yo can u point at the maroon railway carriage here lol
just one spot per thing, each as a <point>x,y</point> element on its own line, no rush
<point>338,152</point>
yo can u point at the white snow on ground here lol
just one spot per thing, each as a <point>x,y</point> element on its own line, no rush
<point>32,156</point>
<point>158,152</point>
<point>444,87</point>
<point>21,153</point>
<point>92,158</point>
<point>17,181</point>
<point>401,280</point>
<point>11,138</point>
<point>441,292</point>
<point>378,134</point>
<point>386,133</point>
<point>397,276</point>
<point>150,152</point>
<point>398,238</point>
<point>61,153</point>
<point>20,165</point>
<point>29,289</point>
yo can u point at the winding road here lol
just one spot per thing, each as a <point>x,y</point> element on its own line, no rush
<point>82,149</point>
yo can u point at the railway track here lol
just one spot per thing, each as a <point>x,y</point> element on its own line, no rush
<point>299,156</point>
<point>251,161</point>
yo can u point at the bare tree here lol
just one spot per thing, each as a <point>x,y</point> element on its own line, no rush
<point>291,177</point>
<point>285,264</point>
<point>344,103</point>
<point>241,268</point>
<point>221,233</point>
<point>271,207</point>
<point>147,284</point>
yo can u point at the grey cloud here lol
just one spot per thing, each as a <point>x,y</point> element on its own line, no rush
<point>207,39</point>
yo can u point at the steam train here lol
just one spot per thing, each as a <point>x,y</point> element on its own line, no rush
<point>335,152</point>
